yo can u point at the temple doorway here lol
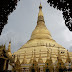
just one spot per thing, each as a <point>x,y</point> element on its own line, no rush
<point>33,70</point>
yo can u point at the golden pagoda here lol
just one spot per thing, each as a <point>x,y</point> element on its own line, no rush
<point>41,39</point>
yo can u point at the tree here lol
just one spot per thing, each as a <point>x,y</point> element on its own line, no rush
<point>66,7</point>
<point>6,7</point>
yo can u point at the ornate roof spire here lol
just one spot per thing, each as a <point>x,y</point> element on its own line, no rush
<point>31,60</point>
<point>9,47</point>
<point>60,63</point>
<point>17,61</point>
<point>24,60</point>
<point>51,56</point>
<point>34,55</point>
<point>47,60</point>
<point>34,58</point>
<point>40,58</point>
<point>68,58</point>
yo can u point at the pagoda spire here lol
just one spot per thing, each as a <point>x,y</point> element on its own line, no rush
<point>40,31</point>
<point>24,60</point>
<point>17,63</point>
<point>47,60</point>
<point>40,10</point>
<point>9,47</point>
<point>31,60</point>
<point>34,55</point>
<point>68,57</point>
<point>34,59</point>
<point>51,57</point>
<point>40,58</point>
<point>60,63</point>
<point>40,14</point>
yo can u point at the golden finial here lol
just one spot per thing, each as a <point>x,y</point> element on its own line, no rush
<point>40,10</point>
<point>40,58</point>
<point>40,6</point>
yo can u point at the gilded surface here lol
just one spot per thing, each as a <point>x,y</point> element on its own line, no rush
<point>41,39</point>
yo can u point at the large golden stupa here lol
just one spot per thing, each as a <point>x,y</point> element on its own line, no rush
<point>41,44</point>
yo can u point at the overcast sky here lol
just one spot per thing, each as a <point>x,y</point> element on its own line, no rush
<point>23,20</point>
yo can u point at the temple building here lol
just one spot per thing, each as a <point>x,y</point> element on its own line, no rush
<point>41,53</point>
<point>6,58</point>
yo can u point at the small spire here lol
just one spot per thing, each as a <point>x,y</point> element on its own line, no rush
<point>9,47</point>
<point>17,58</point>
<point>24,60</point>
<point>31,60</point>
<point>34,55</point>
<point>68,57</point>
<point>60,63</point>
<point>40,58</point>
<point>17,61</point>
<point>34,58</point>
<point>59,56</point>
